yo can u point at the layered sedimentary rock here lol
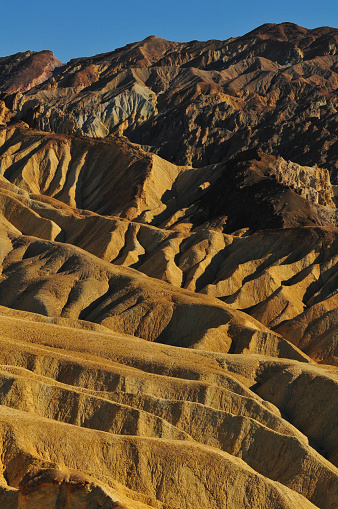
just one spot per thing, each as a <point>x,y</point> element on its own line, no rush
<point>23,71</point>
<point>196,419</point>
<point>115,177</point>
<point>199,103</point>
<point>168,275</point>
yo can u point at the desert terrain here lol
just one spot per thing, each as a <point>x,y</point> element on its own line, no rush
<point>169,275</point>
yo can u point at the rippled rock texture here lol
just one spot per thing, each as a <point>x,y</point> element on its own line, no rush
<point>169,275</point>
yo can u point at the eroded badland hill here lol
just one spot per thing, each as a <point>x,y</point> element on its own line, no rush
<point>169,275</point>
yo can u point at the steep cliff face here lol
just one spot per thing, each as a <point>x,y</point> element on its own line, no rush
<point>312,184</point>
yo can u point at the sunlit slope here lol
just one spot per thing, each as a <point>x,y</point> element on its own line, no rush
<point>110,407</point>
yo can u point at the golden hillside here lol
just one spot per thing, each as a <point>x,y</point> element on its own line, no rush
<point>169,275</point>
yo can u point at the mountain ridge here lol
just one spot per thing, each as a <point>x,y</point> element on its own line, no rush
<point>169,275</point>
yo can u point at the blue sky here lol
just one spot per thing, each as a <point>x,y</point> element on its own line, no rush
<point>76,28</point>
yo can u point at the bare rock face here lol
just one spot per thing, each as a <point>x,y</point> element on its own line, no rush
<point>115,177</point>
<point>199,103</point>
<point>312,184</point>
<point>169,275</point>
<point>23,71</point>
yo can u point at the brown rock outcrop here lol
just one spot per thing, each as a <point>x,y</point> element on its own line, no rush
<point>23,71</point>
<point>202,102</point>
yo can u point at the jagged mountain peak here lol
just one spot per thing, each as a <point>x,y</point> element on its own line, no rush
<point>169,275</point>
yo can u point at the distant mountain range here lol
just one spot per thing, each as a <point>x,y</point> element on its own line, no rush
<point>169,275</point>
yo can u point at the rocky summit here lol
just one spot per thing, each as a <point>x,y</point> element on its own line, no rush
<point>169,275</point>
